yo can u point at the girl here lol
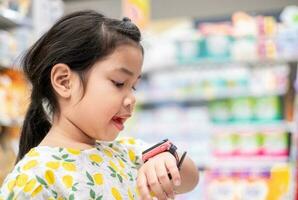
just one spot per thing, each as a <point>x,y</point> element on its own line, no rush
<point>83,73</point>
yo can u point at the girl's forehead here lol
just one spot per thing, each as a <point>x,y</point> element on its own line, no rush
<point>127,71</point>
<point>127,59</point>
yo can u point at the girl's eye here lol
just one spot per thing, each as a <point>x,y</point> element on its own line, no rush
<point>118,84</point>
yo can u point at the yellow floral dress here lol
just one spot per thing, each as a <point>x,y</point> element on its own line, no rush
<point>107,171</point>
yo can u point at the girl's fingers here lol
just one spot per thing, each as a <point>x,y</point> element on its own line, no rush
<point>154,184</point>
<point>166,184</point>
<point>142,187</point>
<point>171,165</point>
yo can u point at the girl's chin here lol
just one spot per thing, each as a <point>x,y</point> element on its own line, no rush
<point>109,136</point>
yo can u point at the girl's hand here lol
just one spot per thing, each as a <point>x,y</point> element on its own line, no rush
<point>153,177</point>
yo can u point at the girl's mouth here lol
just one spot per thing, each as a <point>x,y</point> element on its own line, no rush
<point>118,123</point>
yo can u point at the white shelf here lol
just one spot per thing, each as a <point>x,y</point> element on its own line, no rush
<point>282,125</point>
<point>4,64</point>
<point>10,66</point>
<point>256,162</point>
<point>213,63</point>
<point>207,97</point>
<point>11,123</point>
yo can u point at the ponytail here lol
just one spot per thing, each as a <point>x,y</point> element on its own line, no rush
<point>35,127</point>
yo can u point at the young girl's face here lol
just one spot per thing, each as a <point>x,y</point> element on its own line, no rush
<point>109,97</point>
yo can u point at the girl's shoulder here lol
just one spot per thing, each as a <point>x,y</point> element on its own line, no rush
<point>38,171</point>
<point>128,148</point>
<point>133,148</point>
<point>128,144</point>
<point>25,180</point>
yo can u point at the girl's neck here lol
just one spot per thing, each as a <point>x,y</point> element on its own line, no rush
<point>64,133</point>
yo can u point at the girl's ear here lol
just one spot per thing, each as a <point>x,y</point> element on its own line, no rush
<point>61,80</point>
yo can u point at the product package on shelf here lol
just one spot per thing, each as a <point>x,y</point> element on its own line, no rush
<point>270,144</point>
<point>8,150</point>
<point>272,183</point>
<point>244,38</point>
<point>201,84</point>
<point>14,96</point>
<point>20,6</point>
<point>247,110</point>
<point>12,44</point>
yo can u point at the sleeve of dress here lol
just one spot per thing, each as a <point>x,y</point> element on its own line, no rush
<point>134,147</point>
<point>23,186</point>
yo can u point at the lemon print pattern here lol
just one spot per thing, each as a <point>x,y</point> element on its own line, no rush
<point>108,152</point>
<point>131,141</point>
<point>114,166</point>
<point>68,181</point>
<point>53,165</point>
<point>73,151</point>
<point>121,163</point>
<point>21,180</point>
<point>11,184</point>
<point>30,185</point>
<point>33,153</point>
<point>30,164</point>
<point>98,178</point>
<point>50,177</point>
<point>69,166</point>
<point>132,155</point>
<point>116,194</point>
<point>130,195</point>
<point>36,191</point>
<point>105,172</point>
<point>95,158</point>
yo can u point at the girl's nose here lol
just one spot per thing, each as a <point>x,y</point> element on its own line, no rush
<point>129,102</point>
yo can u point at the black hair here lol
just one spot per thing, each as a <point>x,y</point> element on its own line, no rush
<point>77,40</point>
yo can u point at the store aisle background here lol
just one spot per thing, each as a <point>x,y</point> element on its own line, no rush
<point>219,81</point>
<point>165,9</point>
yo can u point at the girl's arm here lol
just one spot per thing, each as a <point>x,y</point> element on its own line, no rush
<point>189,175</point>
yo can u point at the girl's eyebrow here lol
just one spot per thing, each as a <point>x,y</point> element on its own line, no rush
<point>128,72</point>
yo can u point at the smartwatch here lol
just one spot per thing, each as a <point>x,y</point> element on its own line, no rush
<point>163,146</point>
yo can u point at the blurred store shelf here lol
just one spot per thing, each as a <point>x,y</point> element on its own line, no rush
<point>11,122</point>
<point>193,99</point>
<point>214,63</point>
<point>252,127</point>
<point>10,18</point>
<point>258,162</point>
